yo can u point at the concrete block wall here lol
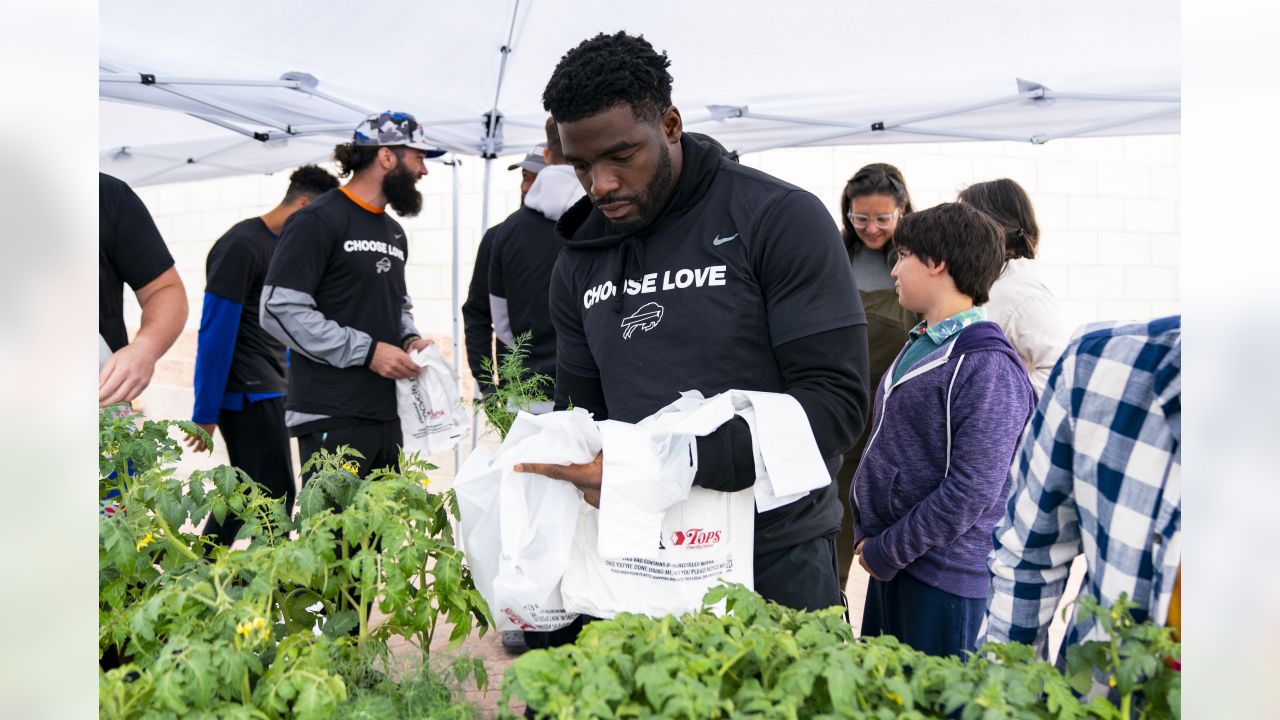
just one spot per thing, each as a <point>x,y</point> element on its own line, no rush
<point>1107,208</point>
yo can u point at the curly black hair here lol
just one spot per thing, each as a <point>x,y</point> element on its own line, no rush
<point>309,181</point>
<point>607,71</point>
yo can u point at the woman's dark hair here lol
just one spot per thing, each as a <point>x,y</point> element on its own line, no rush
<point>1008,204</point>
<point>873,179</point>
<point>963,237</point>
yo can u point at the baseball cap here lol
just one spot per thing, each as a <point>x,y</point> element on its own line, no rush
<point>391,129</point>
<point>533,160</point>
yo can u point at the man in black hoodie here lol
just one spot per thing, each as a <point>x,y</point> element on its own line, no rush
<point>683,270</point>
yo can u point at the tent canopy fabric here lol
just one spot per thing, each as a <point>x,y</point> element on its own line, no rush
<point>194,90</point>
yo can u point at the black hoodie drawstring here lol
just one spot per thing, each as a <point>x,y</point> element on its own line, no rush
<point>630,253</point>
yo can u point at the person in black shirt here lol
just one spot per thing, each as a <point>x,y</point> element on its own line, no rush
<point>524,252</point>
<point>130,250</point>
<point>335,294</point>
<point>683,270</point>
<point>478,324</point>
<point>240,369</point>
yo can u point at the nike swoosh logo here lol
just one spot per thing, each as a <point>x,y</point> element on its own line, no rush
<point>399,235</point>
<point>720,241</point>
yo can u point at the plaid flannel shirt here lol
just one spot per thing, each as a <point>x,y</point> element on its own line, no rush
<point>1098,472</point>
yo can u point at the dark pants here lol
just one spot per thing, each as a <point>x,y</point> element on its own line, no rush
<point>257,443</point>
<point>802,577</point>
<point>378,442</point>
<point>928,619</point>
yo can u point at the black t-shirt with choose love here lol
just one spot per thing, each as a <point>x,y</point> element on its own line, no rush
<point>350,261</point>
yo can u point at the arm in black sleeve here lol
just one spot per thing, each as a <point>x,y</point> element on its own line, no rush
<point>477,325</point>
<point>827,374</point>
<point>581,392</point>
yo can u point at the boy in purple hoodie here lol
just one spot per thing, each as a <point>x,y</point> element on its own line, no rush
<point>948,414</point>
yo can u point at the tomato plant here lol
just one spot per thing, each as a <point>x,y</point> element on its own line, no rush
<point>764,660</point>
<point>281,628</point>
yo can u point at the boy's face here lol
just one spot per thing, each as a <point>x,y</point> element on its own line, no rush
<point>915,281</point>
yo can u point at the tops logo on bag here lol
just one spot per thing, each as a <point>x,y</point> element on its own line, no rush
<point>695,538</point>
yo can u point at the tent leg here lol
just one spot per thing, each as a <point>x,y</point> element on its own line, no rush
<point>457,306</point>
<point>484,227</point>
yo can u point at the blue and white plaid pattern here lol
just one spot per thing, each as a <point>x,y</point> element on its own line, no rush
<point>1098,472</point>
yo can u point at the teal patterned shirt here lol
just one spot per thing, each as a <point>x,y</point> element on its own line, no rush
<point>924,339</point>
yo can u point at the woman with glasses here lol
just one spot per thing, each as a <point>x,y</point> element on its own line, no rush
<point>874,200</point>
<point>1023,307</point>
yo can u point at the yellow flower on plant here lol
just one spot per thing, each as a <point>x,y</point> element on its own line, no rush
<point>256,626</point>
<point>425,482</point>
<point>1111,680</point>
<point>352,467</point>
<point>146,540</point>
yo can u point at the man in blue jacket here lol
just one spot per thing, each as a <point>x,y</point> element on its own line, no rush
<point>240,369</point>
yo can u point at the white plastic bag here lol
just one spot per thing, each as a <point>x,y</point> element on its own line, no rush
<point>518,528</point>
<point>657,544</point>
<point>432,416</point>
<point>705,539</point>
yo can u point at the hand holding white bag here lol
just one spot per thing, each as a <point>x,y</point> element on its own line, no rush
<point>518,528</point>
<point>432,416</point>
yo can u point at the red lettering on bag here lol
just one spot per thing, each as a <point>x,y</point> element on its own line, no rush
<point>696,537</point>
<point>514,617</point>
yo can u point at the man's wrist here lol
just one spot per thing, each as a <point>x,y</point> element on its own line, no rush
<point>409,340</point>
<point>144,344</point>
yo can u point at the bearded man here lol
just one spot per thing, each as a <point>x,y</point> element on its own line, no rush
<point>335,293</point>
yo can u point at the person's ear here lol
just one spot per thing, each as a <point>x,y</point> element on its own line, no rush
<point>387,158</point>
<point>937,268</point>
<point>672,124</point>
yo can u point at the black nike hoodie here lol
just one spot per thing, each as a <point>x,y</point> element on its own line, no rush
<point>748,280</point>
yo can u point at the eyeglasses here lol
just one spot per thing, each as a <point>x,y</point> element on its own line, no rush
<point>883,222</point>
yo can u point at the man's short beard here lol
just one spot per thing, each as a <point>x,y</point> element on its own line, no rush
<point>652,199</point>
<point>398,186</point>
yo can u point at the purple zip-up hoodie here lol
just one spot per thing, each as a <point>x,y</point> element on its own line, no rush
<point>935,475</point>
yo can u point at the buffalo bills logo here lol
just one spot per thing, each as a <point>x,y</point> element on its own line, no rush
<point>646,318</point>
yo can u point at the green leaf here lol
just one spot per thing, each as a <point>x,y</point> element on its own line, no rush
<point>341,623</point>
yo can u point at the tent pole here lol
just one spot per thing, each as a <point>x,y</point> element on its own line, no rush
<point>131,78</point>
<point>456,304</point>
<point>1106,125</point>
<point>963,134</point>
<point>1050,94</point>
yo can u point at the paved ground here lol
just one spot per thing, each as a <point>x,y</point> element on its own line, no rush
<point>489,647</point>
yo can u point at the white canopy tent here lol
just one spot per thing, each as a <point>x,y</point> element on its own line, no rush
<point>196,90</point>
<point>266,77</point>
